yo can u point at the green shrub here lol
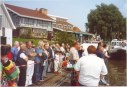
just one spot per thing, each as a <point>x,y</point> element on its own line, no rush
<point>35,41</point>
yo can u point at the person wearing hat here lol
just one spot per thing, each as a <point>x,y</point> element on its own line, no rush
<point>8,68</point>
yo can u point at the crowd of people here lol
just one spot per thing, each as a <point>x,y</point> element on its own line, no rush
<point>27,65</point>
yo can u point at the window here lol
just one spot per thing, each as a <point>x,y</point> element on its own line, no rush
<point>39,23</point>
<point>26,21</point>
<point>31,21</point>
<point>49,25</point>
<point>17,20</point>
<point>21,20</point>
<point>65,27</point>
<point>46,24</point>
<point>54,25</point>
<point>62,26</point>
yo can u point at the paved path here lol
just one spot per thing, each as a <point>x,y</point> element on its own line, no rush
<point>57,80</point>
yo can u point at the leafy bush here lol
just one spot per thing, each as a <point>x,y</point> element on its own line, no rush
<point>63,37</point>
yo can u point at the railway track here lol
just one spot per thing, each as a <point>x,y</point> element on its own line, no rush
<point>57,80</point>
<point>65,81</point>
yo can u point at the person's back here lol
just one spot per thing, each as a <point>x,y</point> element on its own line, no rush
<point>90,70</point>
<point>90,67</point>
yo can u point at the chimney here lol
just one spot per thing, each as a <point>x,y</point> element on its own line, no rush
<point>43,11</point>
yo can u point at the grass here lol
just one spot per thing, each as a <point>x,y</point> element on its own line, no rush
<point>35,41</point>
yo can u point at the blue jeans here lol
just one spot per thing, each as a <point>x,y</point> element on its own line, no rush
<point>41,72</point>
<point>45,69</point>
<point>37,71</point>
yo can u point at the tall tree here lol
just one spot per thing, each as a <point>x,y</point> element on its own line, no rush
<point>107,21</point>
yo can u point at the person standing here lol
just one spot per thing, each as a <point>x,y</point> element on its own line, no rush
<point>22,63</point>
<point>38,60</point>
<point>74,57</point>
<point>105,51</point>
<point>57,47</point>
<point>14,50</point>
<point>9,68</point>
<point>80,52</point>
<point>50,58</point>
<point>90,68</point>
<point>99,51</point>
<point>9,55</point>
<point>62,48</point>
<point>74,52</point>
<point>45,56</point>
<point>30,52</point>
<point>56,62</point>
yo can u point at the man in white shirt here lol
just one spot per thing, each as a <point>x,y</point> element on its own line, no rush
<point>62,49</point>
<point>90,68</point>
<point>30,52</point>
<point>74,52</point>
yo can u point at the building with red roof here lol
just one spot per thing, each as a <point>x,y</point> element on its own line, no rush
<point>38,23</point>
<point>28,20</point>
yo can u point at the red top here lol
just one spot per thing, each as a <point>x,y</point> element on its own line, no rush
<point>64,64</point>
<point>9,55</point>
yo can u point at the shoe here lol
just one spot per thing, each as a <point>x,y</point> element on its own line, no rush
<point>32,84</point>
<point>45,76</point>
<point>38,83</point>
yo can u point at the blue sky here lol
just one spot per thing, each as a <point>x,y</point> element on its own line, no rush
<point>75,10</point>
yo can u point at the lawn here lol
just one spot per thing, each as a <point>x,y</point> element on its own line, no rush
<point>35,41</point>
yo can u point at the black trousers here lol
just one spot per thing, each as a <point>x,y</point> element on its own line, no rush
<point>22,76</point>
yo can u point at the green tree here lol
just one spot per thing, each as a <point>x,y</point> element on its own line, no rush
<point>63,37</point>
<point>106,21</point>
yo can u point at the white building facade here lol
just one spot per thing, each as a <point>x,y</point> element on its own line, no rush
<point>6,25</point>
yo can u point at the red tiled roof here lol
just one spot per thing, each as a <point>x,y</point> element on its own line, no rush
<point>28,12</point>
<point>63,23</point>
<point>76,29</point>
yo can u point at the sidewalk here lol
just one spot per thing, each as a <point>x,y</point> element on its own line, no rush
<point>55,80</point>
